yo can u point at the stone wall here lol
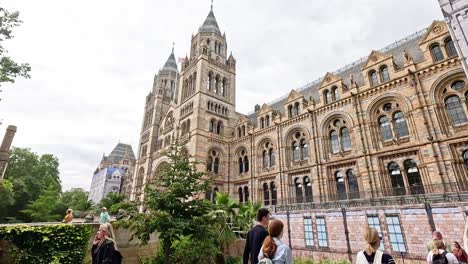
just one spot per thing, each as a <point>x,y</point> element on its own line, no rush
<point>415,223</point>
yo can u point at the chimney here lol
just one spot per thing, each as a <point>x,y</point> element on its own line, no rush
<point>257,107</point>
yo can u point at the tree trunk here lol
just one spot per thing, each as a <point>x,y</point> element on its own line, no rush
<point>167,251</point>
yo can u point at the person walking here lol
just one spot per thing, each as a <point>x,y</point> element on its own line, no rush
<point>104,217</point>
<point>371,254</point>
<point>459,253</point>
<point>104,249</point>
<point>438,255</point>
<point>68,217</point>
<point>255,237</point>
<point>273,250</point>
<point>436,235</point>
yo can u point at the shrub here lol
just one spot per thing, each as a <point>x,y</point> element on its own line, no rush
<point>64,244</point>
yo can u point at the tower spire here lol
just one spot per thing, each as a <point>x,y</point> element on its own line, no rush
<point>211,5</point>
<point>173,44</point>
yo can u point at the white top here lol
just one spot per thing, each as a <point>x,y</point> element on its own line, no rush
<point>361,258</point>
<point>282,255</point>
<point>450,257</point>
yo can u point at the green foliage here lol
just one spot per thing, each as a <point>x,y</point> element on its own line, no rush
<point>112,202</point>
<point>6,195</point>
<point>246,216</point>
<point>48,207</point>
<point>232,260</point>
<point>64,244</point>
<point>77,199</point>
<point>174,206</point>
<point>187,250</point>
<point>9,69</point>
<point>31,176</point>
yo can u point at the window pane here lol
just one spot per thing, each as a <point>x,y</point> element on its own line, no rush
<point>385,129</point>
<point>451,50</point>
<point>437,53</point>
<point>455,110</point>
<point>374,80</point>
<point>322,233</point>
<point>345,139</point>
<point>335,146</point>
<point>308,234</point>
<point>395,234</point>
<point>400,124</point>
<point>385,74</point>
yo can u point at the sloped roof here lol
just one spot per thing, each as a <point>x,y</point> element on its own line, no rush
<point>410,44</point>
<point>119,152</point>
<point>171,64</point>
<point>210,25</point>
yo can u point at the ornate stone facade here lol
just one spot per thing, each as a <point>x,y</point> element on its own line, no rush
<point>392,123</point>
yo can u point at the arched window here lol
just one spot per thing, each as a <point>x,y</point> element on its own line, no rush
<point>216,166</point>
<point>210,81</point>
<point>241,195</point>
<point>243,131</point>
<point>335,145</point>
<point>326,97</point>
<point>298,187</point>
<point>273,193</point>
<point>246,164</point>
<point>265,159</point>
<point>455,110</point>
<point>271,155</point>
<point>340,185</point>
<point>436,52</point>
<point>267,121</point>
<point>396,178</point>
<point>345,139</point>
<point>209,164</point>
<point>373,78</point>
<point>465,158</point>
<point>246,194</point>
<point>241,166</point>
<point>266,194</point>
<point>353,185</point>
<point>308,189</point>
<point>211,125</point>
<point>399,121</point>
<point>262,122</point>
<point>295,147</point>
<point>296,109</point>
<point>223,87</point>
<point>290,111</point>
<point>384,74</point>
<point>414,178</point>
<point>219,128</point>
<point>450,47</point>
<point>335,93</point>
<point>458,85</point>
<point>385,129</point>
<point>216,84</point>
<point>304,150</point>
<point>239,132</point>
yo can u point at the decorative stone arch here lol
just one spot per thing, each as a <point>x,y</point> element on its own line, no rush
<point>242,160</point>
<point>442,82</point>
<point>297,144</point>
<point>266,153</point>
<point>343,125</point>
<point>382,99</point>
<point>220,154</point>
<point>336,114</point>
<point>292,130</point>
<point>161,165</point>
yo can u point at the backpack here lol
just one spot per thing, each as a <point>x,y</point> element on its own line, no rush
<point>440,258</point>
<point>265,260</point>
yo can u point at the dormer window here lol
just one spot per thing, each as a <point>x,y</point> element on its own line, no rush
<point>262,122</point>
<point>267,121</point>
<point>373,78</point>
<point>384,75</point>
<point>290,111</point>
<point>296,109</point>
<point>327,97</point>
<point>436,52</point>
<point>335,94</point>
<point>450,47</point>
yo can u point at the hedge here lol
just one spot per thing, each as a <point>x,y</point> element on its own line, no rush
<point>51,244</point>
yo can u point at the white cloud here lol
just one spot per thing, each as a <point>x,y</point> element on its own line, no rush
<point>93,62</point>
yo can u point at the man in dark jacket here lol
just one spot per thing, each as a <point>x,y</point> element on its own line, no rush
<point>255,237</point>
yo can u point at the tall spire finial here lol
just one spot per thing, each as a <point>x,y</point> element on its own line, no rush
<point>173,43</point>
<point>211,5</point>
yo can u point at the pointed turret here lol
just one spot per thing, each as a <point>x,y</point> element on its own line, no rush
<point>210,25</point>
<point>171,64</point>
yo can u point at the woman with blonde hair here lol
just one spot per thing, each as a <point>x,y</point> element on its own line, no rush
<point>439,255</point>
<point>273,250</point>
<point>371,254</point>
<point>104,248</point>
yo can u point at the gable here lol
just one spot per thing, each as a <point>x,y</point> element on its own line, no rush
<point>436,29</point>
<point>265,109</point>
<point>329,79</point>
<point>374,58</point>
<point>294,95</point>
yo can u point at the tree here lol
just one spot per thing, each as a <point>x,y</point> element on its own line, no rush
<point>77,199</point>
<point>30,175</point>
<point>48,207</point>
<point>9,69</point>
<point>174,207</point>
<point>111,200</point>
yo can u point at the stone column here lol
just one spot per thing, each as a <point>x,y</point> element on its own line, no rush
<point>5,149</point>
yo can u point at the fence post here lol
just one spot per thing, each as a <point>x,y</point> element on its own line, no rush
<point>345,224</point>
<point>430,217</point>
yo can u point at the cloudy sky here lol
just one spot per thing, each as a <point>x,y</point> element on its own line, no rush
<point>93,62</point>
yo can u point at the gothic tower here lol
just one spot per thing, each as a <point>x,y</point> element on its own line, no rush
<point>161,98</point>
<point>207,99</point>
